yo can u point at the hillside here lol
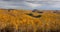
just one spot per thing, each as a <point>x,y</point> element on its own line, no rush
<point>12,20</point>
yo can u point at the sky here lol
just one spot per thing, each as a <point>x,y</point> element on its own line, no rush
<point>30,4</point>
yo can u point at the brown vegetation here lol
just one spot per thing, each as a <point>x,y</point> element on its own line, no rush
<point>28,21</point>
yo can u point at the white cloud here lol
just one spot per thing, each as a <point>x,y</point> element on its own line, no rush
<point>24,4</point>
<point>55,5</point>
<point>32,5</point>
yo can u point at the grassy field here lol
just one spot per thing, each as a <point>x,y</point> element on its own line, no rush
<point>29,21</point>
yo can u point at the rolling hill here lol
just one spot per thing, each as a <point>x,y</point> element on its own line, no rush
<point>12,20</point>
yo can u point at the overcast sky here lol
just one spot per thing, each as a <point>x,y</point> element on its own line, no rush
<point>30,4</point>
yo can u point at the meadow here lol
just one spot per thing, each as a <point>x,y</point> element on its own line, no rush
<point>12,20</point>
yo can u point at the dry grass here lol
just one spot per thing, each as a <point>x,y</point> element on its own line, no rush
<point>21,21</point>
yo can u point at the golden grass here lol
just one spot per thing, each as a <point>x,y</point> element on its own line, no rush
<point>19,21</point>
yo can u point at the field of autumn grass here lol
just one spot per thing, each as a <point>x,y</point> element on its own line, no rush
<point>12,20</point>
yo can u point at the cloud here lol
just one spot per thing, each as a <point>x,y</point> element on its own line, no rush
<point>30,4</point>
